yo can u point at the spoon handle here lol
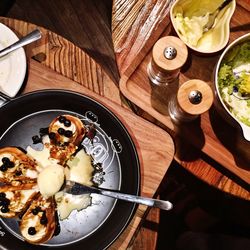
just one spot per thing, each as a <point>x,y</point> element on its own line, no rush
<point>212,16</point>
<point>31,37</point>
<point>77,189</point>
<point>165,205</point>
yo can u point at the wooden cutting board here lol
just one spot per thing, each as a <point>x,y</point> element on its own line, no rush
<point>154,146</point>
<point>211,134</point>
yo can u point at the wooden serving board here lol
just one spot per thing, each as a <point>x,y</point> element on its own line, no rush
<point>213,135</point>
<point>154,146</point>
<point>136,25</point>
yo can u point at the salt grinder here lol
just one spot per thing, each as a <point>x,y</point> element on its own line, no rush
<point>168,56</point>
<point>194,98</point>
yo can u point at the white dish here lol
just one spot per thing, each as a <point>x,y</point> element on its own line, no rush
<point>12,66</point>
<point>245,128</point>
<point>215,38</point>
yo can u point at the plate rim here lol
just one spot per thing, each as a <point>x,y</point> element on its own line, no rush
<point>133,207</point>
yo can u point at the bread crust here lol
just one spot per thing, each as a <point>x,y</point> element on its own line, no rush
<point>44,232</point>
<point>24,169</point>
<point>63,147</point>
<point>78,132</point>
<point>38,214</point>
<point>16,199</point>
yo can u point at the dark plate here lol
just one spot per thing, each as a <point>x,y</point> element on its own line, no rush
<point>101,223</point>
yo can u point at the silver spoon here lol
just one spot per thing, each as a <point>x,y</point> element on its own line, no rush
<point>213,15</point>
<point>75,188</point>
<point>31,37</point>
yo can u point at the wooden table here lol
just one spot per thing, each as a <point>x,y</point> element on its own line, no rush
<point>54,62</point>
<point>134,36</point>
<point>136,26</point>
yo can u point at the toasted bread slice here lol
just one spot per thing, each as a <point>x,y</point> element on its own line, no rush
<point>16,167</point>
<point>67,129</point>
<point>66,133</point>
<point>38,223</point>
<point>14,200</point>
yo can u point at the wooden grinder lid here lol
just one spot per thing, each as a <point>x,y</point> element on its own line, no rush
<point>195,97</point>
<point>160,55</point>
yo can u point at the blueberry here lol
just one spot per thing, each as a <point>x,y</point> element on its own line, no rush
<point>18,173</point>
<point>3,168</point>
<point>31,231</point>
<point>5,160</point>
<point>235,89</point>
<point>36,139</point>
<point>52,135</point>
<point>10,164</point>
<point>5,209</point>
<point>4,202</point>
<point>44,131</point>
<point>35,211</point>
<point>2,195</point>
<point>67,123</point>
<point>61,131</point>
<point>44,219</point>
<point>68,133</point>
<point>62,119</point>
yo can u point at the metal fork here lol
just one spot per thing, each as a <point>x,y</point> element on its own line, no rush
<point>75,188</point>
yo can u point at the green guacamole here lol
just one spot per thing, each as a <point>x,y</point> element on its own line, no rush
<point>234,81</point>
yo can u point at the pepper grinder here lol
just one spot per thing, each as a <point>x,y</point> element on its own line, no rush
<point>168,55</point>
<point>193,98</point>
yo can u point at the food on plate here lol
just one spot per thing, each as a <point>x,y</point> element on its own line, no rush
<point>65,133</point>
<point>66,129</point>
<point>16,167</point>
<point>191,28</point>
<point>75,171</point>
<point>15,199</point>
<point>33,181</point>
<point>234,81</point>
<point>66,203</point>
<point>38,223</point>
<point>50,180</point>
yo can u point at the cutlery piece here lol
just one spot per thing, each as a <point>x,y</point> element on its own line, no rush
<point>29,38</point>
<point>213,15</point>
<point>75,188</point>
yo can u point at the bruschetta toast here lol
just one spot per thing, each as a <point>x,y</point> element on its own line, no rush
<point>66,133</point>
<point>14,200</point>
<point>16,167</point>
<point>66,129</point>
<point>38,223</point>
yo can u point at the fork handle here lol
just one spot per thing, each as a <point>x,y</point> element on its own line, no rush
<point>165,205</point>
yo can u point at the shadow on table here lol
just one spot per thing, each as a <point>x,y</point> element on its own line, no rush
<point>5,6</point>
<point>230,135</point>
<point>191,131</point>
<point>200,208</point>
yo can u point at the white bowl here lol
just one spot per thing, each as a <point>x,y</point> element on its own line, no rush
<point>215,38</point>
<point>12,66</point>
<point>245,128</point>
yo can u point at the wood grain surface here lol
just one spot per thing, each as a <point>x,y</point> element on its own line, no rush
<point>67,59</point>
<point>207,134</point>
<point>136,25</point>
<point>85,23</point>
